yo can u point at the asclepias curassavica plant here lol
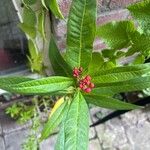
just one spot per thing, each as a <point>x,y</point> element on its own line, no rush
<point>84,77</point>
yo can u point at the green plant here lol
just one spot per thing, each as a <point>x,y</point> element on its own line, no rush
<point>84,77</point>
<point>21,112</point>
<point>33,24</point>
<point>31,111</point>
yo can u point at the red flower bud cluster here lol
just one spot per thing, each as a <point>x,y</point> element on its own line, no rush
<point>86,85</point>
<point>77,72</point>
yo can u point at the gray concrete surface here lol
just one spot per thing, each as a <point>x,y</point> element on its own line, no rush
<point>130,131</point>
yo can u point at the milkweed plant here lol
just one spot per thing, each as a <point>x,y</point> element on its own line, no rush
<point>83,76</point>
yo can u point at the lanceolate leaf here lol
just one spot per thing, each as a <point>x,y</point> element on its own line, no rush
<point>60,144</point>
<point>30,31</point>
<point>116,34</point>
<point>13,80</point>
<point>59,65</point>
<point>41,23</point>
<point>53,6</point>
<point>54,121</point>
<point>29,17</point>
<point>29,22</point>
<point>32,49</point>
<point>81,32</point>
<point>135,84</point>
<point>77,125</point>
<point>109,102</point>
<point>39,86</point>
<point>141,12</point>
<point>121,73</point>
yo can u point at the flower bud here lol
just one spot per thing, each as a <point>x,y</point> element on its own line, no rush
<point>91,85</point>
<point>88,77</point>
<point>88,90</point>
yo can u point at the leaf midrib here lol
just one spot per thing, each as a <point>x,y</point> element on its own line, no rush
<point>84,9</point>
<point>109,73</point>
<point>137,73</point>
<point>36,86</point>
<point>77,120</point>
<point>119,84</point>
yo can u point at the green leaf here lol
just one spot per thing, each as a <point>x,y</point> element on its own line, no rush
<point>96,62</point>
<point>59,65</point>
<point>141,12</point>
<point>30,31</point>
<point>140,43</point>
<point>60,144</point>
<point>135,84</point>
<point>13,80</point>
<point>77,125</point>
<point>29,2</point>
<point>108,53</point>
<point>140,59</point>
<point>121,73</point>
<point>54,7</point>
<point>106,66</point>
<point>81,33</point>
<point>29,17</point>
<point>54,121</point>
<point>32,49</point>
<point>41,23</point>
<point>36,64</point>
<point>44,4</point>
<point>109,102</point>
<point>39,86</point>
<point>120,54</point>
<point>116,34</point>
<point>36,57</point>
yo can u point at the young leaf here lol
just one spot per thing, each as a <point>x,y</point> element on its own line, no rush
<point>32,49</point>
<point>140,59</point>
<point>81,33</point>
<point>135,84</point>
<point>59,65</point>
<point>41,23</point>
<point>109,102</point>
<point>77,124</point>
<point>121,73</point>
<point>30,31</point>
<point>53,6</point>
<point>141,12</point>
<point>29,17</point>
<point>39,86</point>
<point>116,34</point>
<point>54,121</point>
